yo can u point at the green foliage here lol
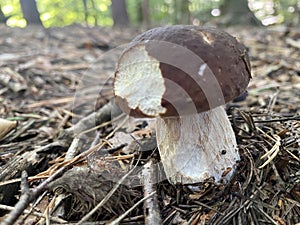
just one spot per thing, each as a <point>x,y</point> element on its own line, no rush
<point>134,11</point>
<point>201,11</point>
<point>290,10</point>
<point>62,13</point>
<point>276,11</point>
<point>162,11</point>
<point>12,8</point>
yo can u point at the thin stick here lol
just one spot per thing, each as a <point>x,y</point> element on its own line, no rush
<point>117,128</point>
<point>54,219</point>
<point>27,197</point>
<point>151,209</point>
<point>272,153</point>
<point>265,214</point>
<point>30,195</point>
<point>101,116</point>
<point>120,218</point>
<point>72,151</point>
<point>103,124</point>
<point>209,207</point>
<point>56,101</point>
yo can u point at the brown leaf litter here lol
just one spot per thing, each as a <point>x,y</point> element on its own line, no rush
<point>57,83</point>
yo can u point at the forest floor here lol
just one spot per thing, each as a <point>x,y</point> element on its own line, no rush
<point>85,161</point>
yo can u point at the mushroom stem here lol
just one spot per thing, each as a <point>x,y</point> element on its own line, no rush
<point>195,147</point>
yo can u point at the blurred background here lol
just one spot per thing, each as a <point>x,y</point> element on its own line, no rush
<point>148,13</point>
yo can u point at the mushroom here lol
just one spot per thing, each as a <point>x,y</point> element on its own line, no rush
<point>183,75</point>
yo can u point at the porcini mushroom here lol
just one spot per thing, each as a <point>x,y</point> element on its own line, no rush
<point>183,75</point>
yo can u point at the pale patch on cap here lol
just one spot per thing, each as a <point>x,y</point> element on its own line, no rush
<point>207,38</point>
<point>139,81</point>
<point>202,69</point>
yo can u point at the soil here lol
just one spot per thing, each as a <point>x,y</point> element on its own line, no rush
<point>68,155</point>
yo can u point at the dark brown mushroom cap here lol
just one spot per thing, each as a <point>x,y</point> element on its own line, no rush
<point>201,68</point>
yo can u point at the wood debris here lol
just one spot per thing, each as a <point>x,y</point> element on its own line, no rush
<point>87,161</point>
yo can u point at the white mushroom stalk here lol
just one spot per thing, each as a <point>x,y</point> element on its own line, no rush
<point>196,147</point>
<point>182,76</point>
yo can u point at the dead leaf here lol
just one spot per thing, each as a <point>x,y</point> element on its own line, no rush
<point>6,126</point>
<point>293,43</point>
<point>12,80</point>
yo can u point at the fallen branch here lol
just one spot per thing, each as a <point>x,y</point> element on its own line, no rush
<point>151,210</point>
<point>29,196</point>
<point>53,219</point>
<point>102,115</point>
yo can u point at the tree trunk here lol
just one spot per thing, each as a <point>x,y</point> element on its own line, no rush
<point>182,13</point>
<point>95,9</point>
<point>146,13</point>
<point>237,12</point>
<point>86,13</point>
<point>2,16</point>
<point>119,13</point>
<point>296,19</point>
<point>139,11</point>
<point>30,12</point>
<point>143,13</point>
